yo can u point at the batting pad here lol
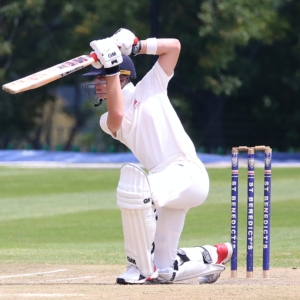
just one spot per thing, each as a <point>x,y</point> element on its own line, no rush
<point>138,220</point>
<point>190,263</point>
<point>189,270</point>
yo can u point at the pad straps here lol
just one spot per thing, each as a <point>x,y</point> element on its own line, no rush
<point>205,254</point>
<point>182,255</point>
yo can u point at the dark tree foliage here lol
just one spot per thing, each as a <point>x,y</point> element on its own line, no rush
<point>238,73</point>
<point>236,82</point>
<point>266,109</point>
<point>38,34</point>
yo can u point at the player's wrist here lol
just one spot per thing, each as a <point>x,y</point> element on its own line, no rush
<point>151,46</point>
<point>136,48</point>
<point>115,70</point>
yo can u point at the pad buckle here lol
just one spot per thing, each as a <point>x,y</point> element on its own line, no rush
<point>206,256</point>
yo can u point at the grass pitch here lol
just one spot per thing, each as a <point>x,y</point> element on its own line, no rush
<point>70,216</point>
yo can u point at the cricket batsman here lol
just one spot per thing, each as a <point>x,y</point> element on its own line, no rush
<point>153,204</point>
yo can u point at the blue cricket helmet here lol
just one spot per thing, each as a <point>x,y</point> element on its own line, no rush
<point>126,68</point>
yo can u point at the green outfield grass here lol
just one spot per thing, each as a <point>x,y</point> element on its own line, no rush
<point>70,216</point>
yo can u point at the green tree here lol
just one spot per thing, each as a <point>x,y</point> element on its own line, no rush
<point>37,34</point>
<point>17,112</point>
<point>238,72</point>
<point>236,81</point>
<point>265,109</point>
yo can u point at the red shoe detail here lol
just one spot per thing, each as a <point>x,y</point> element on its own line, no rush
<point>154,275</point>
<point>224,253</point>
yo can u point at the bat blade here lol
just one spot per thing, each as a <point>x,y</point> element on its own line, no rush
<point>46,76</point>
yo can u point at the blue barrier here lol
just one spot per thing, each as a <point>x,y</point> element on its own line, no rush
<point>87,157</point>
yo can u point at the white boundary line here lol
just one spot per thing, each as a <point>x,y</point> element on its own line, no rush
<point>32,274</point>
<point>74,278</point>
<point>30,295</point>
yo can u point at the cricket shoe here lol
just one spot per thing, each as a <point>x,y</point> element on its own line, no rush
<point>225,252</point>
<point>134,276</point>
<point>157,281</point>
<point>209,278</point>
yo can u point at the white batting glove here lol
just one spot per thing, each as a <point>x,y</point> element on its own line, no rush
<point>125,40</point>
<point>107,52</point>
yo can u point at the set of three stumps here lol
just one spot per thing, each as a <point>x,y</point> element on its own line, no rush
<point>250,208</point>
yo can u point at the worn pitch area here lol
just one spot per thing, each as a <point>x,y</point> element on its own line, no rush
<point>98,282</point>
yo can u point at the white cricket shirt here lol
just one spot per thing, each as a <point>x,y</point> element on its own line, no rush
<point>151,128</point>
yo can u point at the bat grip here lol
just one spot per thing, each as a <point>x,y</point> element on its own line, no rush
<point>136,40</point>
<point>94,56</point>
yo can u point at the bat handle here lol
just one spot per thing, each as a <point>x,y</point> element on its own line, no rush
<point>136,40</point>
<point>94,56</point>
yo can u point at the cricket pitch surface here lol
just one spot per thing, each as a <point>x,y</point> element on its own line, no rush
<point>98,282</point>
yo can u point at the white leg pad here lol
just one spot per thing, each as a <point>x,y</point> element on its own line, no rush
<point>189,270</point>
<point>138,220</point>
<point>194,267</point>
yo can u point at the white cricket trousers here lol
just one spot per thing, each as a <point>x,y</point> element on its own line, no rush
<point>179,187</point>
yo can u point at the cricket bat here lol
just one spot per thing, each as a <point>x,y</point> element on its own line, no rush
<point>48,75</point>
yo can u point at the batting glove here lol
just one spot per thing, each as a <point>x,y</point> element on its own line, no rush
<point>127,42</point>
<point>108,54</point>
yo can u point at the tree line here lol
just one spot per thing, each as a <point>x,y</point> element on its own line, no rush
<point>236,83</point>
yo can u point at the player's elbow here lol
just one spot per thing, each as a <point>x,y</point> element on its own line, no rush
<point>176,45</point>
<point>114,121</point>
<point>171,45</point>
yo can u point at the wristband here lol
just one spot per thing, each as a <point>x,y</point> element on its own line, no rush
<point>136,48</point>
<point>151,46</point>
<point>115,70</point>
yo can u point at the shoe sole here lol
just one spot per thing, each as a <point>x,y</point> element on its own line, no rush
<point>122,281</point>
<point>156,282</point>
<point>142,279</point>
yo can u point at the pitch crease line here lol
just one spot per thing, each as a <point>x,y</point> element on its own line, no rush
<point>32,274</point>
<point>74,278</point>
<point>30,295</point>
